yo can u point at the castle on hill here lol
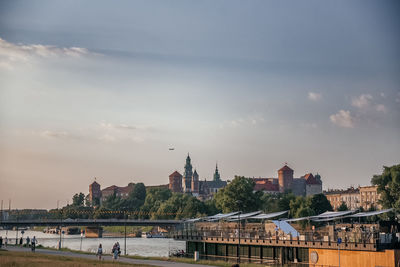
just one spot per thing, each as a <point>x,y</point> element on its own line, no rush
<point>190,182</point>
<point>305,185</point>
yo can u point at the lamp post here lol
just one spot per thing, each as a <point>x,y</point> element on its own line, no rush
<point>81,239</point>
<point>239,239</point>
<point>239,208</point>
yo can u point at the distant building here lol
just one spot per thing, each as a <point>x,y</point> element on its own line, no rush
<point>350,196</point>
<point>122,192</point>
<point>211,187</point>
<point>369,197</point>
<point>190,182</point>
<point>175,182</point>
<point>94,193</point>
<point>303,186</point>
<point>366,197</point>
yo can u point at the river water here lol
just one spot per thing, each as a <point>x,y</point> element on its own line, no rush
<point>134,245</point>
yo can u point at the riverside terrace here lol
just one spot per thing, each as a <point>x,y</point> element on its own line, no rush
<point>255,237</point>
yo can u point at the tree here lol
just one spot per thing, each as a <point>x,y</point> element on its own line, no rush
<point>269,202</point>
<point>211,207</point>
<point>297,204</point>
<point>304,211</point>
<point>139,191</point>
<point>319,204</point>
<point>238,195</point>
<point>135,198</point>
<point>389,187</point>
<point>342,207</point>
<point>154,198</point>
<point>78,200</point>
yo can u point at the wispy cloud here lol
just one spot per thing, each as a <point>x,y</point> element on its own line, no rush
<point>121,131</point>
<point>314,96</point>
<point>11,53</point>
<point>343,119</point>
<point>57,135</point>
<point>363,101</point>
<point>381,108</point>
<point>251,120</point>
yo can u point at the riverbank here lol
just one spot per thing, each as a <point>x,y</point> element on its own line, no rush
<point>16,259</point>
<point>70,257</point>
<point>144,261</point>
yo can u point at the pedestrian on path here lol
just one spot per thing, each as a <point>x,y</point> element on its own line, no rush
<point>1,241</point>
<point>5,242</point>
<point>115,251</point>
<point>27,241</point>
<point>119,249</point>
<point>100,251</point>
<point>33,243</point>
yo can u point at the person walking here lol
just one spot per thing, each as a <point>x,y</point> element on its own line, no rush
<point>33,243</point>
<point>115,251</point>
<point>118,249</point>
<point>27,241</point>
<point>5,242</point>
<point>21,241</point>
<point>99,252</point>
<point>1,241</point>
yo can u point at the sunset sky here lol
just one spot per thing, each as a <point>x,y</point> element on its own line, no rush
<point>104,89</point>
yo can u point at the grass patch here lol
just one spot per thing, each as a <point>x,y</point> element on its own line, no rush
<point>17,259</point>
<point>192,261</point>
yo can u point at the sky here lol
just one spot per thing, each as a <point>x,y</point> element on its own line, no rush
<point>104,89</point>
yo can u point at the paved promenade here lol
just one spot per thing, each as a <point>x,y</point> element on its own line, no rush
<point>107,258</point>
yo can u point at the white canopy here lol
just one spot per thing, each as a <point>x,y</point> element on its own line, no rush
<point>263,216</point>
<point>243,216</point>
<point>371,213</point>
<point>332,214</point>
<point>326,216</point>
<point>220,216</point>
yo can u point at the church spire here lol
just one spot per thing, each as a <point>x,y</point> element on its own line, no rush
<point>217,176</point>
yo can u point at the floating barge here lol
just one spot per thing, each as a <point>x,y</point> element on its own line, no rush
<point>274,242</point>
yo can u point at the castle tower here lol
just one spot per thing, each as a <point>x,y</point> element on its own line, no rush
<point>195,184</point>
<point>187,176</point>
<point>175,182</point>
<point>217,177</point>
<point>94,193</point>
<point>285,177</point>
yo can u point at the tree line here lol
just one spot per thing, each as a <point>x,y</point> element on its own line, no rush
<point>161,203</point>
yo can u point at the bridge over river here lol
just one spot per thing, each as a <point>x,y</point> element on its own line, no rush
<point>88,222</point>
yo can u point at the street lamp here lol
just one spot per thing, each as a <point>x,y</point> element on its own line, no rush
<point>239,238</point>
<point>81,239</point>
<point>238,251</point>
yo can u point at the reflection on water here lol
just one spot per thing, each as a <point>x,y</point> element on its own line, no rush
<point>134,246</point>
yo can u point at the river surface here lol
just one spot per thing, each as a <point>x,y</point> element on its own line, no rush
<point>134,245</point>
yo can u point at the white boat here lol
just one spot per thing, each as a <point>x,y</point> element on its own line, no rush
<point>146,235</point>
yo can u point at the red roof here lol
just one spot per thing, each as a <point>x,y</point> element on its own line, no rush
<point>265,185</point>
<point>285,168</point>
<point>113,187</point>
<point>310,179</point>
<point>175,173</point>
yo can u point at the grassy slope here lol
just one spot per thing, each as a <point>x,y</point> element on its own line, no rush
<point>16,259</point>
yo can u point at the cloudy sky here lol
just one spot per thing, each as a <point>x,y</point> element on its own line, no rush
<point>103,89</point>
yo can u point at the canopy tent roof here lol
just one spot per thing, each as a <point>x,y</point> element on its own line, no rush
<point>332,214</point>
<point>243,216</point>
<point>258,215</point>
<point>220,216</point>
<point>263,216</point>
<point>326,216</point>
<point>371,213</point>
